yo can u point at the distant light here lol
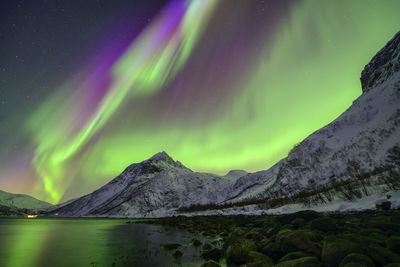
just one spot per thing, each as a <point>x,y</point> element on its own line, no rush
<point>31,216</point>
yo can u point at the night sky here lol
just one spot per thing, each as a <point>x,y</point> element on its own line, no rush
<point>89,87</point>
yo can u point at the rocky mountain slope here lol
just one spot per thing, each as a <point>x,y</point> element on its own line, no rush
<point>363,142</point>
<point>365,138</point>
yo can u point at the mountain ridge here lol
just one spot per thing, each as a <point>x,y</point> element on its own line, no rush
<point>359,141</point>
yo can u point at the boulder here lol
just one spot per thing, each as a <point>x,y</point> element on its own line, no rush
<point>362,241</point>
<point>388,226</point>
<point>260,259</point>
<point>381,255</point>
<point>355,258</point>
<point>301,262</point>
<point>290,241</point>
<point>238,251</point>
<point>210,264</point>
<point>293,256</point>
<point>196,243</point>
<point>380,238</point>
<point>335,249</point>
<point>270,249</point>
<point>393,265</point>
<point>354,264</point>
<point>324,224</point>
<point>177,254</point>
<point>207,246</point>
<point>306,215</point>
<point>236,234</point>
<point>171,246</point>
<point>393,243</point>
<point>212,254</point>
<point>298,222</point>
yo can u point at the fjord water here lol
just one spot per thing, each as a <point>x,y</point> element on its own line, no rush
<point>90,242</point>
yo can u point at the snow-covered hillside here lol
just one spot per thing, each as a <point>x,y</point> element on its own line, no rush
<point>365,139</point>
<point>154,187</point>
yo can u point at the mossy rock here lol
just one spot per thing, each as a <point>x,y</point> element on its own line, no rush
<point>362,241</point>
<point>259,258</point>
<point>315,236</point>
<point>350,227</point>
<point>301,262</point>
<point>238,230</point>
<point>177,254</point>
<point>388,226</point>
<point>238,251</point>
<point>262,243</point>
<point>210,264</point>
<point>355,258</point>
<point>393,243</point>
<point>380,238</point>
<point>195,242</point>
<point>287,226</point>
<point>381,255</point>
<point>395,218</point>
<point>368,231</point>
<point>298,222</point>
<point>354,264</point>
<point>293,256</point>
<point>378,218</point>
<point>254,234</point>
<point>207,246</point>
<point>291,241</point>
<point>212,254</point>
<point>324,224</point>
<point>335,249</point>
<point>273,230</point>
<point>393,265</point>
<point>271,249</point>
<point>171,246</point>
<point>306,215</point>
<point>237,234</point>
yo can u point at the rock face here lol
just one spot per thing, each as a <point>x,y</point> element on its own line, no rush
<point>363,139</point>
<point>382,66</point>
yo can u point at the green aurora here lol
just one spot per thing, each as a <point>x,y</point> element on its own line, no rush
<point>226,87</point>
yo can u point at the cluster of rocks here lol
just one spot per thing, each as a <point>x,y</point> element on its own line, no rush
<point>307,238</point>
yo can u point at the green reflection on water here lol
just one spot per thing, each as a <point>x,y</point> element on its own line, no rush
<point>55,242</point>
<point>91,242</point>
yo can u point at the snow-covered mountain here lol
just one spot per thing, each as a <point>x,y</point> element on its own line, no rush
<point>14,203</point>
<point>364,139</point>
<point>154,187</point>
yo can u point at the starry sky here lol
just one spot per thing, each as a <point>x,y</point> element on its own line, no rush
<point>89,87</point>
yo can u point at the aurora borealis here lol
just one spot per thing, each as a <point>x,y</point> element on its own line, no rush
<point>218,85</point>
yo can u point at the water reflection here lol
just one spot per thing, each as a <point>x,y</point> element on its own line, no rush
<point>90,242</point>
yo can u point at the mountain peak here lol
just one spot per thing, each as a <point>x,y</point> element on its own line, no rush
<point>383,65</point>
<point>161,156</point>
<point>163,159</point>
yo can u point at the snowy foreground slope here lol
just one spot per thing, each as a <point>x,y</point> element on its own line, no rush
<point>363,142</point>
